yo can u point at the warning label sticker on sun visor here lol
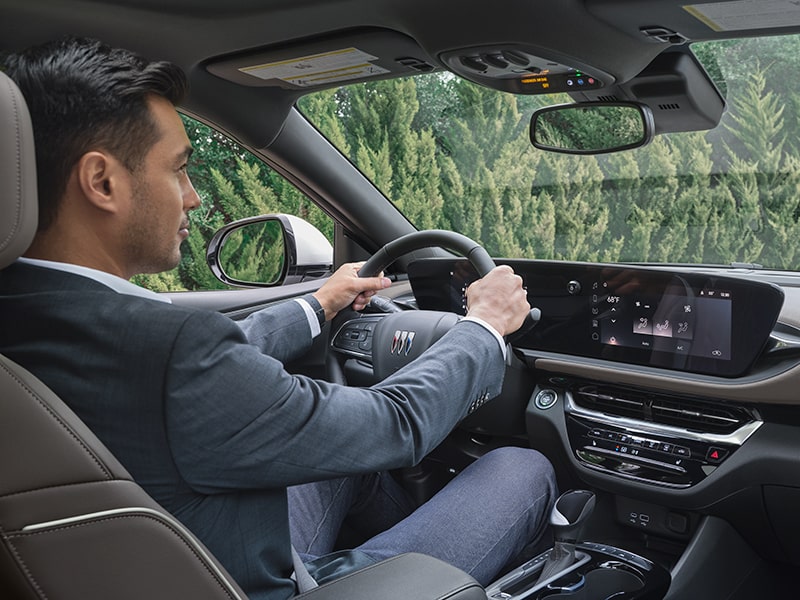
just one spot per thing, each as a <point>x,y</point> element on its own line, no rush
<point>319,69</point>
<point>746,14</point>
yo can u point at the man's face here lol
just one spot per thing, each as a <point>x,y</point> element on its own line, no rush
<point>161,196</point>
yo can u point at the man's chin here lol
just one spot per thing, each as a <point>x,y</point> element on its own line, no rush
<point>155,268</point>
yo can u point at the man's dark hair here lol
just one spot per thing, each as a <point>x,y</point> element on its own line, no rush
<point>84,95</point>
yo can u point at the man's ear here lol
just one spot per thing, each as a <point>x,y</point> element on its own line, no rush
<point>102,180</point>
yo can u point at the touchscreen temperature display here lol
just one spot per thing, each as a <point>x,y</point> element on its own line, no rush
<point>665,323</point>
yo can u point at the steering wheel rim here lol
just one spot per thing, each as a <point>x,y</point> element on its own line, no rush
<point>450,240</point>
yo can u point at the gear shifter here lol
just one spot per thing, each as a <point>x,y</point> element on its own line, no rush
<point>569,514</point>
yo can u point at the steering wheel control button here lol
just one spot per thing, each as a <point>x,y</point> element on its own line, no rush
<point>545,399</point>
<point>355,337</point>
<point>574,288</point>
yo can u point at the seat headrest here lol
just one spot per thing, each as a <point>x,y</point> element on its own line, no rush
<point>19,211</point>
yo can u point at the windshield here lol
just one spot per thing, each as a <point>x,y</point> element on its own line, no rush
<point>454,155</point>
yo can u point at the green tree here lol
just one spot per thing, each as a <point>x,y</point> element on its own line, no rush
<point>696,197</point>
<point>763,174</point>
<point>574,186</point>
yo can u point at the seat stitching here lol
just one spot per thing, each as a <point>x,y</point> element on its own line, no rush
<point>58,419</point>
<point>113,480</point>
<point>177,534</point>
<point>23,565</point>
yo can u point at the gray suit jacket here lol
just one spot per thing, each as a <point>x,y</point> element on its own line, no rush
<point>202,413</point>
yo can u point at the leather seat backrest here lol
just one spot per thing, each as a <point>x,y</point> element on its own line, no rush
<point>73,524</point>
<point>18,204</point>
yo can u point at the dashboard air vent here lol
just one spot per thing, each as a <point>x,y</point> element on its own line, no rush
<point>687,413</point>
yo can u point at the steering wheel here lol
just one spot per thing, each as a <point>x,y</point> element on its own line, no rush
<point>422,326</point>
<point>450,240</point>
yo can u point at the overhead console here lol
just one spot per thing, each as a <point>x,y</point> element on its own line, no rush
<point>681,320</point>
<point>523,70</point>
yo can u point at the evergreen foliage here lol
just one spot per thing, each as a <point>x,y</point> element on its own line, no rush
<point>455,155</point>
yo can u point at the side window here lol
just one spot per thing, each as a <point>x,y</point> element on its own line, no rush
<point>232,184</point>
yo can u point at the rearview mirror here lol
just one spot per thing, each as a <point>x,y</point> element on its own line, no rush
<point>269,250</point>
<point>592,127</point>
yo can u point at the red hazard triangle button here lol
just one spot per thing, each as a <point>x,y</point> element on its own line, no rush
<point>716,454</point>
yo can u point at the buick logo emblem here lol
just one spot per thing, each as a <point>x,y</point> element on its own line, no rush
<point>402,342</point>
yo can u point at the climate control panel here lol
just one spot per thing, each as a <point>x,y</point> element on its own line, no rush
<point>663,460</point>
<point>644,435</point>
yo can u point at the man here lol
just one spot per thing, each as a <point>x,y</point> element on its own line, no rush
<point>199,408</point>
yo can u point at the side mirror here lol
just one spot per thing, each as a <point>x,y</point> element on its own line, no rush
<point>269,250</point>
<point>592,127</point>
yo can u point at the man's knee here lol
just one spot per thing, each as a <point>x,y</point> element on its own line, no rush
<point>524,466</point>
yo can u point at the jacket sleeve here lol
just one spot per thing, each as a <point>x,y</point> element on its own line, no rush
<point>281,330</point>
<point>237,420</point>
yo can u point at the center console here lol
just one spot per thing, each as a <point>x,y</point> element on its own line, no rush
<point>581,571</point>
<point>600,572</point>
<point>609,338</point>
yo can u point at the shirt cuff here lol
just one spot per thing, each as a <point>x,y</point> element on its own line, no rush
<point>314,313</point>
<point>491,330</point>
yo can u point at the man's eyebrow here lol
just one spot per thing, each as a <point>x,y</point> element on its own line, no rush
<point>186,154</point>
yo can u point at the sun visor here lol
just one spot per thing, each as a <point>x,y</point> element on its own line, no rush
<point>307,66</point>
<point>704,20</point>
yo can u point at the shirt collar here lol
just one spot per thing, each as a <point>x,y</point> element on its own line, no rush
<point>117,284</point>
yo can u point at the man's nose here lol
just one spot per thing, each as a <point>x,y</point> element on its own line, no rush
<point>191,198</point>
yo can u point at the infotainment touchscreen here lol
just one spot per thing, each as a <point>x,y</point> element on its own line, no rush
<point>689,321</point>
<point>696,323</point>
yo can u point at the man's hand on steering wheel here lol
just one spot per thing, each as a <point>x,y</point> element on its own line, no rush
<point>396,338</point>
<point>345,288</point>
<point>499,300</point>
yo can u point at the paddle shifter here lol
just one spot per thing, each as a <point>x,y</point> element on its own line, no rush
<point>569,514</point>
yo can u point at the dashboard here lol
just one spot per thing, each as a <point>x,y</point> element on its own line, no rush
<point>672,389</point>
<point>599,324</point>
